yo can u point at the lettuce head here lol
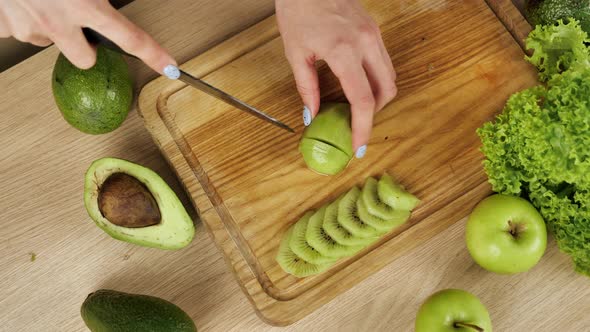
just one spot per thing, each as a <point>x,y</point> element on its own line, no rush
<point>539,146</point>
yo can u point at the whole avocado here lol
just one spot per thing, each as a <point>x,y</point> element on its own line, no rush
<point>112,311</point>
<point>96,100</point>
<point>546,12</point>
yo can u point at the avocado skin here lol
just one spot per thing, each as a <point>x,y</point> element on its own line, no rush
<point>96,100</point>
<point>112,311</point>
<point>545,12</point>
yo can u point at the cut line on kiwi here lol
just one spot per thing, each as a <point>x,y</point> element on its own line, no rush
<point>349,219</point>
<point>382,225</point>
<point>321,241</point>
<point>293,264</point>
<point>345,226</point>
<point>372,201</point>
<point>299,245</point>
<point>395,195</point>
<point>335,230</point>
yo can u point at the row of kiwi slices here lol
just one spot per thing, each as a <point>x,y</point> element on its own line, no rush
<point>345,226</point>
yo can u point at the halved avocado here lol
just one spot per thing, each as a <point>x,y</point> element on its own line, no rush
<point>326,144</point>
<point>133,203</point>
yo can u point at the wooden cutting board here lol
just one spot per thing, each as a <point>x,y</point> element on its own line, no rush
<point>456,66</point>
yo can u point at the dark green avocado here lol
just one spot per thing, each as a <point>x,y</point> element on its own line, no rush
<point>112,311</point>
<point>545,12</point>
<point>95,100</point>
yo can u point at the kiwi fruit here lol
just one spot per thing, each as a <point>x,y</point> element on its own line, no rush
<point>292,263</point>
<point>318,239</point>
<point>333,228</point>
<point>349,218</point>
<point>345,226</point>
<point>382,225</point>
<point>371,199</point>
<point>395,195</point>
<point>299,245</point>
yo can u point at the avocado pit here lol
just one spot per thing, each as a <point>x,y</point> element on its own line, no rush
<point>127,202</point>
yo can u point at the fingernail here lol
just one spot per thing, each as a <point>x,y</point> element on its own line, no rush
<point>172,72</point>
<point>306,116</point>
<point>361,151</point>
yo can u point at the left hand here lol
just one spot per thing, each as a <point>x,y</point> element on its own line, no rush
<point>341,33</point>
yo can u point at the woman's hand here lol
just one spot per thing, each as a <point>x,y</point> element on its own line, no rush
<point>341,33</point>
<point>42,22</point>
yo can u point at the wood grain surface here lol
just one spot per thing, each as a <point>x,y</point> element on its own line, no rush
<point>42,162</point>
<point>509,12</point>
<point>248,180</point>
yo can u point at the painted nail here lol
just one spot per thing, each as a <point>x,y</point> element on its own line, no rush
<point>361,151</point>
<point>172,72</point>
<point>306,116</point>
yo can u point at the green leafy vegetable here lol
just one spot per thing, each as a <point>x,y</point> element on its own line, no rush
<point>558,47</point>
<point>539,147</point>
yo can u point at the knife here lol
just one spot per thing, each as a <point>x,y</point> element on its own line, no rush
<point>174,72</point>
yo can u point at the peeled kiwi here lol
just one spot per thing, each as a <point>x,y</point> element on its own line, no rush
<point>339,233</point>
<point>299,245</point>
<point>326,144</point>
<point>320,240</point>
<point>395,195</point>
<point>349,218</point>
<point>292,263</point>
<point>371,199</point>
<point>382,225</point>
<point>344,227</point>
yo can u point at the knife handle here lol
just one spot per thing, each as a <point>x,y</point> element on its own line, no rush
<point>96,38</point>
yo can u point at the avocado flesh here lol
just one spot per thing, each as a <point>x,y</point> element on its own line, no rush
<point>323,157</point>
<point>175,229</point>
<point>112,311</point>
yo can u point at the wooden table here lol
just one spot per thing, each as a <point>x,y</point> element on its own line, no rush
<point>43,161</point>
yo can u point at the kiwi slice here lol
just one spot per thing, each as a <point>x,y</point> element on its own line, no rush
<point>320,240</point>
<point>292,263</point>
<point>395,195</point>
<point>371,199</point>
<point>349,218</point>
<point>333,228</point>
<point>301,248</point>
<point>382,225</point>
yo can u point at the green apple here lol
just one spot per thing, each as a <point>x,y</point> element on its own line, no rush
<point>326,144</point>
<point>452,310</point>
<point>506,234</point>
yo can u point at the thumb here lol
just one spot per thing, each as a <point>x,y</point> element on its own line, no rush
<point>306,79</point>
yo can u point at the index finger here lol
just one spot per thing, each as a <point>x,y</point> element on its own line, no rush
<point>357,89</point>
<point>132,39</point>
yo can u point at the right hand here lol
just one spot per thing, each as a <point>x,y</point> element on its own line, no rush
<point>343,34</point>
<point>41,22</point>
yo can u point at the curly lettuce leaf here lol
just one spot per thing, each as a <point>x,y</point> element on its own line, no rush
<point>539,148</point>
<point>568,216</point>
<point>557,48</point>
<point>502,141</point>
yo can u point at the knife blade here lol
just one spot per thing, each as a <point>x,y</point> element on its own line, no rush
<point>174,72</point>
